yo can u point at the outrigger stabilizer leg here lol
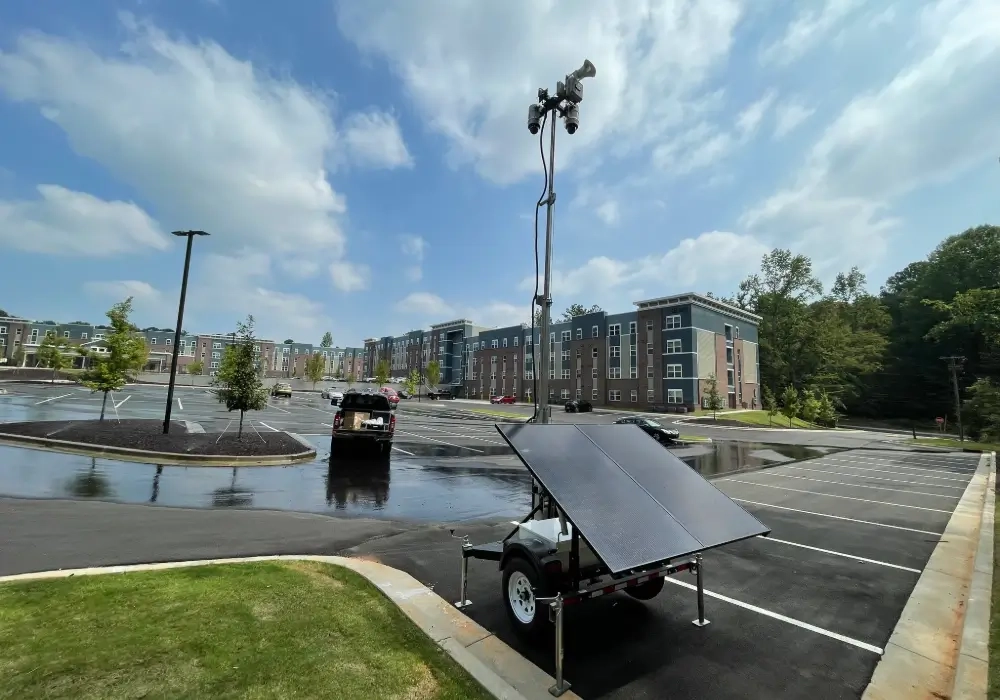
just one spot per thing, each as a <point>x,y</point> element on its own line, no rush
<point>701,621</point>
<point>556,607</point>
<point>464,601</point>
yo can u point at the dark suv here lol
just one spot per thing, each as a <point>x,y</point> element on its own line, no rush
<point>364,419</point>
<point>652,428</point>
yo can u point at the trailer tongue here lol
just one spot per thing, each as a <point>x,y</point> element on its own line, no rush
<point>612,510</point>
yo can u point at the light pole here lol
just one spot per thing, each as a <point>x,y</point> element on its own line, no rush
<point>565,103</point>
<point>180,321</point>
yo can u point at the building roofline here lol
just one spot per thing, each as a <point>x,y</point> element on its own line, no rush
<point>699,300</point>
<point>456,322</point>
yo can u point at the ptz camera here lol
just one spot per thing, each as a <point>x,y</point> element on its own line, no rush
<point>534,118</point>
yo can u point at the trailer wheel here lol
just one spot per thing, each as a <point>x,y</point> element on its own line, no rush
<point>520,583</point>
<point>646,591</point>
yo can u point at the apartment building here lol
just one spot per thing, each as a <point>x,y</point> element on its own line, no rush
<point>445,343</point>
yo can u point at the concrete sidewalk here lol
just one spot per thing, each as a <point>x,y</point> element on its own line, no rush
<point>499,669</point>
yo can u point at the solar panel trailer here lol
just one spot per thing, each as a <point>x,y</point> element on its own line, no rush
<point>612,510</point>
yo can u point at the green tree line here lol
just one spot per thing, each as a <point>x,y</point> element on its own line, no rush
<point>881,355</point>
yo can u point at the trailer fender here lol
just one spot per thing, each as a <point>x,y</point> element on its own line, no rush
<point>530,550</point>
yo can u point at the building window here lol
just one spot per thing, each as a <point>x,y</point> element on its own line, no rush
<point>595,353</point>
<point>633,373</point>
<point>3,331</point>
<point>34,336</point>
<point>516,338</point>
<point>615,351</point>
<point>552,394</point>
<point>65,334</point>
<point>649,350</point>
<point>552,374</point>
<point>565,336</point>
<point>633,395</point>
<point>673,346</point>
<point>614,395</point>
<point>631,327</point>
<point>527,340</point>
<point>169,341</point>
<point>650,395</point>
<point>579,334</point>
<point>730,378</point>
<point>494,344</point>
<point>736,332</point>
<point>649,326</point>
<point>565,374</point>
<point>675,396</point>
<point>674,372</point>
<point>579,372</point>
<point>579,352</point>
<point>615,329</point>
<point>216,355</point>
<point>505,342</point>
<point>593,373</point>
<point>564,394</point>
<point>729,332</point>
<point>214,365</point>
<point>671,322</point>
<point>593,394</point>
<point>729,356</point>
<point>614,373</point>
<point>595,331</point>
<point>218,346</point>
<point>649,371</point>
<point>579,393</point>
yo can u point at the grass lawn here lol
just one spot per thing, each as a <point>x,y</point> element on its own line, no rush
<point>993,686</point>
<point>256,630</point>
<point>956,444</point>
<point>761,418</point>
<point>693,438</point>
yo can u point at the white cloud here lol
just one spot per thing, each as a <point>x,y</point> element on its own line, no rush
<point>713,261</point>
<point>889,142</point>
<point>414,248</point>
<point>751,117</point>
<point>608,212</point>
<point>374,139</point>
<point>149,304</point>
<point>121,289</point>
<point>64,222</point>
<point>807,31</point>
<point>424,304</point>
<point>472,69</point>
<point>789,116</point>
<point>349,277</point>
<point>424,308</point>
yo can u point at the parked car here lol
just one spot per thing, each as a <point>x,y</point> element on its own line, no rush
<point>652,428</point>
<point>335,396</point>
<point>363,419</point>
<point>390,394</point>
<point>579,406</point>
<point>434,394</point>
<point>403,394</point>
<point>282,389</point>
<point>502,399</point>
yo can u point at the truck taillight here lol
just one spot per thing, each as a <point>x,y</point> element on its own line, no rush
<point>392,425</point>
<point>336,421</point>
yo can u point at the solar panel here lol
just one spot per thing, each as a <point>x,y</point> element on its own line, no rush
<point>635,506</point>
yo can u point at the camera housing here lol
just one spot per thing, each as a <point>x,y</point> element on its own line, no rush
<point>571,115</point>
<point>534,118</point>
<point>572,89</point>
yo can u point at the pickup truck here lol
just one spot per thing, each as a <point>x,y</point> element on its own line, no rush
<point>364,419</point>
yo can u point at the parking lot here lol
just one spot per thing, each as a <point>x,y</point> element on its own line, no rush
<point>804,613</point>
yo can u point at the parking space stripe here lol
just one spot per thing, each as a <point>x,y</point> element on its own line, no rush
<point>179,404</point>
<point>467,437</point>
<point>877,478</point>
<point>268,427</point>
<point>882,471</point>
<point>897,465</point>
<point>836,517</point>
<point>833,495</point>
<point>271,405</point>
<point>119,404</point>
<point>403,451</point>
<point>839,554</point>
<point>858,486</point>
<point>450,444</point>
<point>782,618</point>
<point>329,413</point>
<point>53,399</point>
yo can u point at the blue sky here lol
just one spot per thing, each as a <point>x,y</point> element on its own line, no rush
<point>365,168</point>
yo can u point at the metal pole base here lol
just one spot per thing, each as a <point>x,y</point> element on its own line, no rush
<point>463,604</point>
<point>558,690</point>
<point>700,623</point>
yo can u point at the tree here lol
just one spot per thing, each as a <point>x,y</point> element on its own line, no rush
<point>713,396</point>
<point>126,355</point>
<point>770,405</point>
<point>327,341</point>
<point>289,341</point>
<point>18,356</point>
<point>315,366</point>
<point>982,410</point>
<point>196,367</point>
<point>433,373</point>
<point>827,414</point>
<point>790,403</point>
<point>809,406</point>
<point>350,379</point>
<point>238,383</point>
<point>412,382</point>
<point>382,372</point>
<point>575,310</point>
<point>51,354</point>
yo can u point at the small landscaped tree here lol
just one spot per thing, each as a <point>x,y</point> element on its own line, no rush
<point>382,372</point>
<point>126,355</point>
<point>433,373</point>
<point>315,365</point>
<point>827,414</point>
<point>196,367</point>
<point>412,382</point>
<point>790,403</point>
<point>809,406</point>
<point>770,405</point>
<point>327,341</point>
<point>350,379</point>
<point>713,396</point>
<point>238,383</point>
<point>17,357</point>
<point>51,354</point>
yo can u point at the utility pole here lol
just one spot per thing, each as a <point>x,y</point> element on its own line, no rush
<point>566,104</point>
<point>953,363</point>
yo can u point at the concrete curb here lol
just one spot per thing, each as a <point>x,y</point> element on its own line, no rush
<point>499,669</point>
<point>130,454</point>
<point>921,656</point>
<point>972,671</point>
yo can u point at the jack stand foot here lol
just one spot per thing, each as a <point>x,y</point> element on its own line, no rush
<point>463,604</point>
<point>559,690</point>
<point>700,623</point>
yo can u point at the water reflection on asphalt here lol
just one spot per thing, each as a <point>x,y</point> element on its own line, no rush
<point>434,486</point>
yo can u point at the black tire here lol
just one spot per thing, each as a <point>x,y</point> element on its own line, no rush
<point>657,437</point>
<point>531,626</point>
<point>385,449</point>
<point>646,591</point>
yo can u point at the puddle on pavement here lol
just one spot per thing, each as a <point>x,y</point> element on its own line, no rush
<point>439,483</point>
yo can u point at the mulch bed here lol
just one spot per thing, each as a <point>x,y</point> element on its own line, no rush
<point>148,435</point>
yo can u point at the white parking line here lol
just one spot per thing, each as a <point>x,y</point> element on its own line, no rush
<point>882,471</point>
<point>403,451</point>
<point>468,437</point>
<point>53,399</point>
<point>451,444</point>
<point>179,404</point>
<point>832,495</point>
<point>783,618</point>
<point>118,405</point>
<point>838,554</point>
<point>327,425</point>
<point>837,517</point>
<point>857,486</point>
<point>268,427</point>
<point>876,478</point>
<point>329,413</point>
<point>897,465</point>
<point>271,405</point>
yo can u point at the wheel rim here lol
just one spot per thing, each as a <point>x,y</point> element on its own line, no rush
<point>521,598</point>
<point>657,437</point>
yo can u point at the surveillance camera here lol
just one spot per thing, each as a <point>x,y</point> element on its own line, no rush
<point>534,118</point>
<point>572,116</point>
